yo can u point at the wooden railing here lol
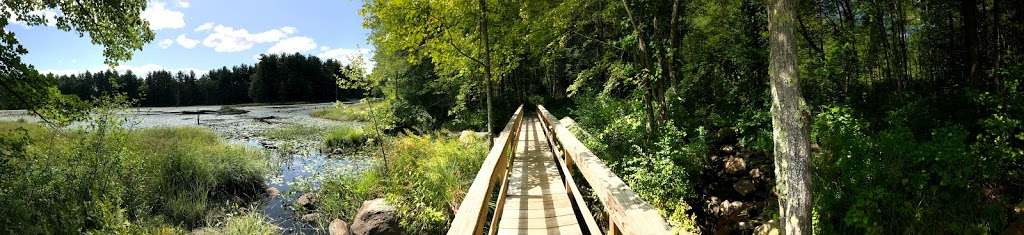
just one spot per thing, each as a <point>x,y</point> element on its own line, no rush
<point>472,212</point>
<point>627,213</point>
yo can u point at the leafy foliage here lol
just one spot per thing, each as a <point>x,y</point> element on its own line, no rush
<point>424,178</point>
<point>104,178</point>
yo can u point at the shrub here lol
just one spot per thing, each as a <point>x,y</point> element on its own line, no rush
<point>891,182</point>
<point>101,178</point>
<point>345,136</point>
<point>423,176</point>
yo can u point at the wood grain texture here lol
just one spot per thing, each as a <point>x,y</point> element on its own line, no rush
<point>630,214</point>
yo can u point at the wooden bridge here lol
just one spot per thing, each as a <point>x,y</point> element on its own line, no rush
<point>528,178</point>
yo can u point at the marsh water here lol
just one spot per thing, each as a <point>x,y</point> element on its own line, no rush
<point>298,164</point>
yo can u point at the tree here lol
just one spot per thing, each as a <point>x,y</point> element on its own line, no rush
<point>487,70</point>
<point>117,26</point>
<point>790,121</point>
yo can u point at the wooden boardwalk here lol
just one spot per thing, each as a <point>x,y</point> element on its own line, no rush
<point>526,186</point>
<point>536,201</point>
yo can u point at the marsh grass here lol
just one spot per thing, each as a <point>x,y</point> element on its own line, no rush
<point>346,112</point>
<point>426,175</point>
<point>107,179</point>
<point>345,137</point>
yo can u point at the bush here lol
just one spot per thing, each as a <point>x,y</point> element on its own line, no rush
<point>663,172</point>
<point>345,136</point>
<point>422,176</point>
<point>101,178</point>
<point>893,183</point>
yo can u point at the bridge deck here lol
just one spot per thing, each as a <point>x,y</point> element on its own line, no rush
<point>536,201</point>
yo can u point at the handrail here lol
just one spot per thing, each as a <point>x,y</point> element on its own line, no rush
<point>627,212</point>
<point>470,217</point>
<point>575,196</point>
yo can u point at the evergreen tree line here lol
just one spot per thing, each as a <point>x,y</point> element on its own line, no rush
<point>275,78</point>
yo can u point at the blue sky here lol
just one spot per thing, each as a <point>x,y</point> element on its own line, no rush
<point>204,34</point>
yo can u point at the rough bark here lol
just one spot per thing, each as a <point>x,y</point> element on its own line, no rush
<point>789,121</point>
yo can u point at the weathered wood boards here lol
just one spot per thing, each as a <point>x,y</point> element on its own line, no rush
<point>537,199</point>
<point>470,217</point>
<point>629,213</point>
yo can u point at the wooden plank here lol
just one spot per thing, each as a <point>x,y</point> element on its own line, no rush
<point>539,222</point>
<point>502,192</point>
<point>537,198</point>
<point>469,218</point>
<point>632,214</point>
<point>590,224</point>
<point>544,201</point>
<point>567,230</point>
<point>537,213</point>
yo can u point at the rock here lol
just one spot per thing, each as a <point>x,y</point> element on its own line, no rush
<point>734,165</point>
<point>376,217</point>
<point>744,186</point>
<point>338,227</point>
<point>272,192</point>
<point>726,208</point>
<point>769,228</point>
<point>756,173</point>
<point>310,218</point>
<point>306,200</point>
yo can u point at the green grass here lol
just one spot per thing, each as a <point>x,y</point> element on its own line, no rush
<point>106,179</point>
<point>424,176</point>
<point>345,112</point>
<point>344,137</point>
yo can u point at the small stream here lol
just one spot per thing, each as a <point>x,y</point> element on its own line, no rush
<point>299,171</point>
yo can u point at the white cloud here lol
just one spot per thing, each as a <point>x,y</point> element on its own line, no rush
<point>186,42</point>
<point>160,17</point>
<point>324,48</point>
<point>166,42</point>
<point>345,56</point>
<point>228,39</point>
<point>289,29</point>
<point>183,3</point>
<point>204,27</point>
<point>293,45</point>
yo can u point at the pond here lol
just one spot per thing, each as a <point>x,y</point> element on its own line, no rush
<point>298,164</point>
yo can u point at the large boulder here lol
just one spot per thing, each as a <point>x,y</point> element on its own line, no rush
<point>338,227</point>
<point>376,217</point>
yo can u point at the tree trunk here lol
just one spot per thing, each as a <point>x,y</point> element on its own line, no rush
<point>969,37</point>
<point>487,71</point>
<point>789,121</point>
<point>645,59</point>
